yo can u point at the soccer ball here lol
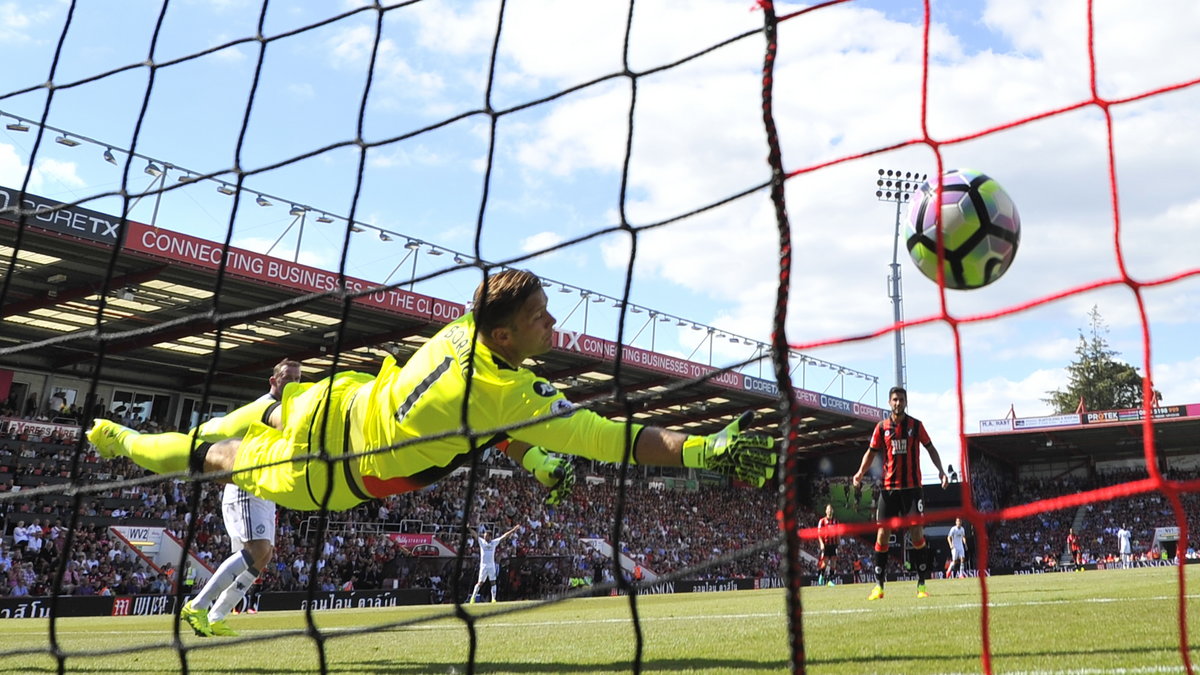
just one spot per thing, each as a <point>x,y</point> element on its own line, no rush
<point>980,229</point>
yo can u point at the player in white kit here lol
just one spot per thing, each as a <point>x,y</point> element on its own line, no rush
<point>488,569</point>
<point>249,522</point>
<point>957,538</point>
<point>1124,546</point>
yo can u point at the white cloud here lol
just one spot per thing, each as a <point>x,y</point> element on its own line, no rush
<point>392,156</point>
<point>541,241</point>
<point>351,46</point>
<point>302,90</point>
<point>13,19</point>
<point>350,49</point>
<point>58,175</point>
<point>222,6</point>
<point>1123,31</point>
<point>467,31</point>
<point>1179,381</point>
<point>19,21</point>
<point>847,81</point>
<point>1060,350</point>
<point>1056,169</point>
<point>12,166</point>
<point>558,147</point>
<point>231,55</point>
<point>990,398</point>
<point>310,257</point>
<point>65,174</point>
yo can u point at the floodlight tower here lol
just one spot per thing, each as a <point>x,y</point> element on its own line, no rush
<point>897,186</point>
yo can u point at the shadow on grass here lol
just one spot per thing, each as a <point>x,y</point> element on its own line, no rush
<point>897,660</point>
<point>399,666</point>
<point>648,666</point>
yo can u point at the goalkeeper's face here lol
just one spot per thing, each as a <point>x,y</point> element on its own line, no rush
<point>532,330</point>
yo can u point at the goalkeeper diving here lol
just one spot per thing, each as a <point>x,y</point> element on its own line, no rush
<point>354,437</point>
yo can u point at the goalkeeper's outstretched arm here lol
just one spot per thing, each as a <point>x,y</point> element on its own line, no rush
<point>749,457</point>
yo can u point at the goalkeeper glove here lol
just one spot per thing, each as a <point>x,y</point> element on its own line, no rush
<point>553,471</point>
<point>748,457</point>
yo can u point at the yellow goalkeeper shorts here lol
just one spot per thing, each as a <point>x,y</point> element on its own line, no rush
<point>286,466</point>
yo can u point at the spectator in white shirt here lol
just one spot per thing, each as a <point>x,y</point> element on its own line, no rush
<point>20,536</point>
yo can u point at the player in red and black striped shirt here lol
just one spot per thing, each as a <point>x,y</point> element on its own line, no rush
<point>1076,549</point>
<point>899,439</point>
<point>828,545</point>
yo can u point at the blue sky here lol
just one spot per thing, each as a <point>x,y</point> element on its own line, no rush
<point>847,82</point>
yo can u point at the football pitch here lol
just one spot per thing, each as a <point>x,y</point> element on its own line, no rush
<point>1118,621</point>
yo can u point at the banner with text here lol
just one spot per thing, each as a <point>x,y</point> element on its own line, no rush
<point>174,246</point>
<point>37,431</point>
<point>205,254</point>
<point>270,602</point>
<point>993,426</point>
<point>814,400</point>
<point>1045,422</point>
<point>1134,414</point>
<point>1124,415</point>
<point>422,545</point>
<point>606,350</point>
<point>87,605</point>
<point>185,249</point>
<point>148,605</point>
<point>73,220</point>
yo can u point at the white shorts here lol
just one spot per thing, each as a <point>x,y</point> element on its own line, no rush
<point>959,553</point>
<point>488,572</point>
<point>247,517</point>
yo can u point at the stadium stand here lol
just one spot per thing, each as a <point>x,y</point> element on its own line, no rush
<point>151,383</point>
<point>1026,463</point>
<point>545,556</point>
<point>549,555</point>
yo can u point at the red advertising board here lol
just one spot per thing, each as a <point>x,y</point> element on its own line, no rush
<point>185,249</point>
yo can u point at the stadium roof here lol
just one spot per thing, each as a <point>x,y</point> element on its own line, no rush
<point>1090,436</point>
<point>166,298</point>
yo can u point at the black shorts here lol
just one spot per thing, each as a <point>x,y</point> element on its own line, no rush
<point>830,550</point>
<point>899,503</point>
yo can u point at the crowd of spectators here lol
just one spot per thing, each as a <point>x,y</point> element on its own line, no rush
<point>1039,541</point>
<point>96,565</point>
<point>666,530</point>
<point>55,407</point>
<point>668,526</point>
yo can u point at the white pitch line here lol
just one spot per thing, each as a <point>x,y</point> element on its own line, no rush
<point>484,622</point>
<point>991,605</point>
<point>1135,670</point>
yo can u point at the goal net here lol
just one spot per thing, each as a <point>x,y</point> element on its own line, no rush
<point>689,180</point>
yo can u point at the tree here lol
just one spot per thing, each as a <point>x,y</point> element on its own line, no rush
<point>1097,377</point>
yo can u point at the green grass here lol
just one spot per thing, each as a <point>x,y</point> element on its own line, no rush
<point>1066,623</point>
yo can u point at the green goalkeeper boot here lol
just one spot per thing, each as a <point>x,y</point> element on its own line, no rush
<point>222,628</point>
<point>197,619</point>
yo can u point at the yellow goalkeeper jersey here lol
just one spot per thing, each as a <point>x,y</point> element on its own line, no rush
<point>423,399</point>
